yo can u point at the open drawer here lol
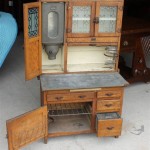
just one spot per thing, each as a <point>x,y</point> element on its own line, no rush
<point>108,124</point>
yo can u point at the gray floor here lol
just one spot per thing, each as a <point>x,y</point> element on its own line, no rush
<point>18,96</point>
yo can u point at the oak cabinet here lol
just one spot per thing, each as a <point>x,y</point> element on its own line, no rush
<point>87,19</point>
<point>83,81</point>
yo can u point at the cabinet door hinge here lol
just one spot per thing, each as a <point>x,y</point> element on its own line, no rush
<point>119,30</point>
<point>68,30</point>
<point>120,8</point>
<point>68,6</point>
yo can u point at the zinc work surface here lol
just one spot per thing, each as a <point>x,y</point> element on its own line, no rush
<point>75,81</point>
<point>18,96</point>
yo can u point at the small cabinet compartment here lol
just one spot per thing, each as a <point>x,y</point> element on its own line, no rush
<point>108,124</point>
<point>70,117</point>
<point>91,58</point>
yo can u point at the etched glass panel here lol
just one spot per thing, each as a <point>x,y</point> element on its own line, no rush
<point>52,24</point>
<point>33,22</point>
<point>81,19</point>
<point>107,19</point>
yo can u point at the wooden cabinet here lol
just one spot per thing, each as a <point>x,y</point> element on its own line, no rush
<point>82,81</point>
<point>87,19</point>
<point>134,63</point>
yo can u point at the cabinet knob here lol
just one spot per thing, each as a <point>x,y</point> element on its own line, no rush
<point>59,98</point>
<point>96,20</point>
<point>109,94</point>
<point>108,105</point>
<point>82,96</point>
<point>125,43</point>
<point>110,128</point>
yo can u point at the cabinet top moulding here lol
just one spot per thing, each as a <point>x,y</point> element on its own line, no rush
<point>81,0</point>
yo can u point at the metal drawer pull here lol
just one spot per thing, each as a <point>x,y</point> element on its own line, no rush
<point>125,43</point>
<point>58,98</point>
<point>108,105</point>
<point>110,128</point>
<point>82,96</point>
<point>109,94</point>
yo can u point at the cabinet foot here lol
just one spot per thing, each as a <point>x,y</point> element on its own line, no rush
<point>45,140</point>
<point>116,136</point>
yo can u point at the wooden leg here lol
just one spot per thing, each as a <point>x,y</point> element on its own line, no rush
<point>116,136</point>
<point>45,140</point>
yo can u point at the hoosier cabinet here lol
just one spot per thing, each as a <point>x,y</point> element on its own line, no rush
<point>73,48</point>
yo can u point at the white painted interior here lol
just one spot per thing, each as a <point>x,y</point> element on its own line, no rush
<point>88,58</point>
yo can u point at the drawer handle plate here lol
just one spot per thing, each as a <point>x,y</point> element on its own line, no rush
<point>109,94</point>
<point>82,96</point>
<point>108,105</point>
<point>110,128</point>
<point>58,98</point>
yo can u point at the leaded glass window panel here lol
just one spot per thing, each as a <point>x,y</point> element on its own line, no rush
<point>81,19</point>
<point>33,22</point>
<point>107,19</point>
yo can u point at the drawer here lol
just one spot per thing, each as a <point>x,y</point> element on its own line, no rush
<point>108,124</point>
<point>108,105</point>
<point>82,96</point>
<point>109,94</point>
<point>57,97</point>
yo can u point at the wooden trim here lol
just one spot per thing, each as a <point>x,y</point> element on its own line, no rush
<point>70,133</point>
<point>94,40</point>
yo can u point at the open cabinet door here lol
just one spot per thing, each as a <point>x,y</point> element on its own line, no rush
<point>27,128</point>
<point>32,40</point>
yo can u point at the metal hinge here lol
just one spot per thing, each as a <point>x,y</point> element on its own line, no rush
<point>119,30</point>
<point>68,6</point>
<point>68,30</point>
<point>120,8</point>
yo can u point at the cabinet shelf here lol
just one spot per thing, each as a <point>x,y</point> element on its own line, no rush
<point>108,19</point>
<point>80,19</point>
<point>69,109</point>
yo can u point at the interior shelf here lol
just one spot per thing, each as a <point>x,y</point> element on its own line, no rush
<point>69,109</point>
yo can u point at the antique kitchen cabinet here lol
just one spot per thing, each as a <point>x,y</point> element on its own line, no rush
<point>73,48</point>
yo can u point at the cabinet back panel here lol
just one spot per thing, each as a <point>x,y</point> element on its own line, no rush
<point>88,58</point>
<point>53,66</point>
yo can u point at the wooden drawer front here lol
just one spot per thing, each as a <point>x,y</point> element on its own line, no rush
<point>82,96</point>
<point>109,94</point>
<point>57,97</point>
<point>108,124</point>
<point>109,127</point>
<point>108,105</point>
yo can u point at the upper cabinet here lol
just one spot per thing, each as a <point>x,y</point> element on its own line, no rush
<point>80,19</point>
<point>87,19</point>
<point>71,36</point>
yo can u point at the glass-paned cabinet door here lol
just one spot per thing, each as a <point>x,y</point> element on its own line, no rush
<point>80,16</point>
<point>108,19</point>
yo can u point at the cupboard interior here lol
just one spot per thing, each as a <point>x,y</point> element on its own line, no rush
<point>90,58</point>
<point>53,66</point>
<point>73,116</point>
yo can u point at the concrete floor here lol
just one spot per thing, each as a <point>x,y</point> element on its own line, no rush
<point>18,96</point>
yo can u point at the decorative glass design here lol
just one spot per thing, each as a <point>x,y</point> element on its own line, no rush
<point>81,19</point>
<point>52,24</point>
<point>107,19</point>
<point>33,22</point>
